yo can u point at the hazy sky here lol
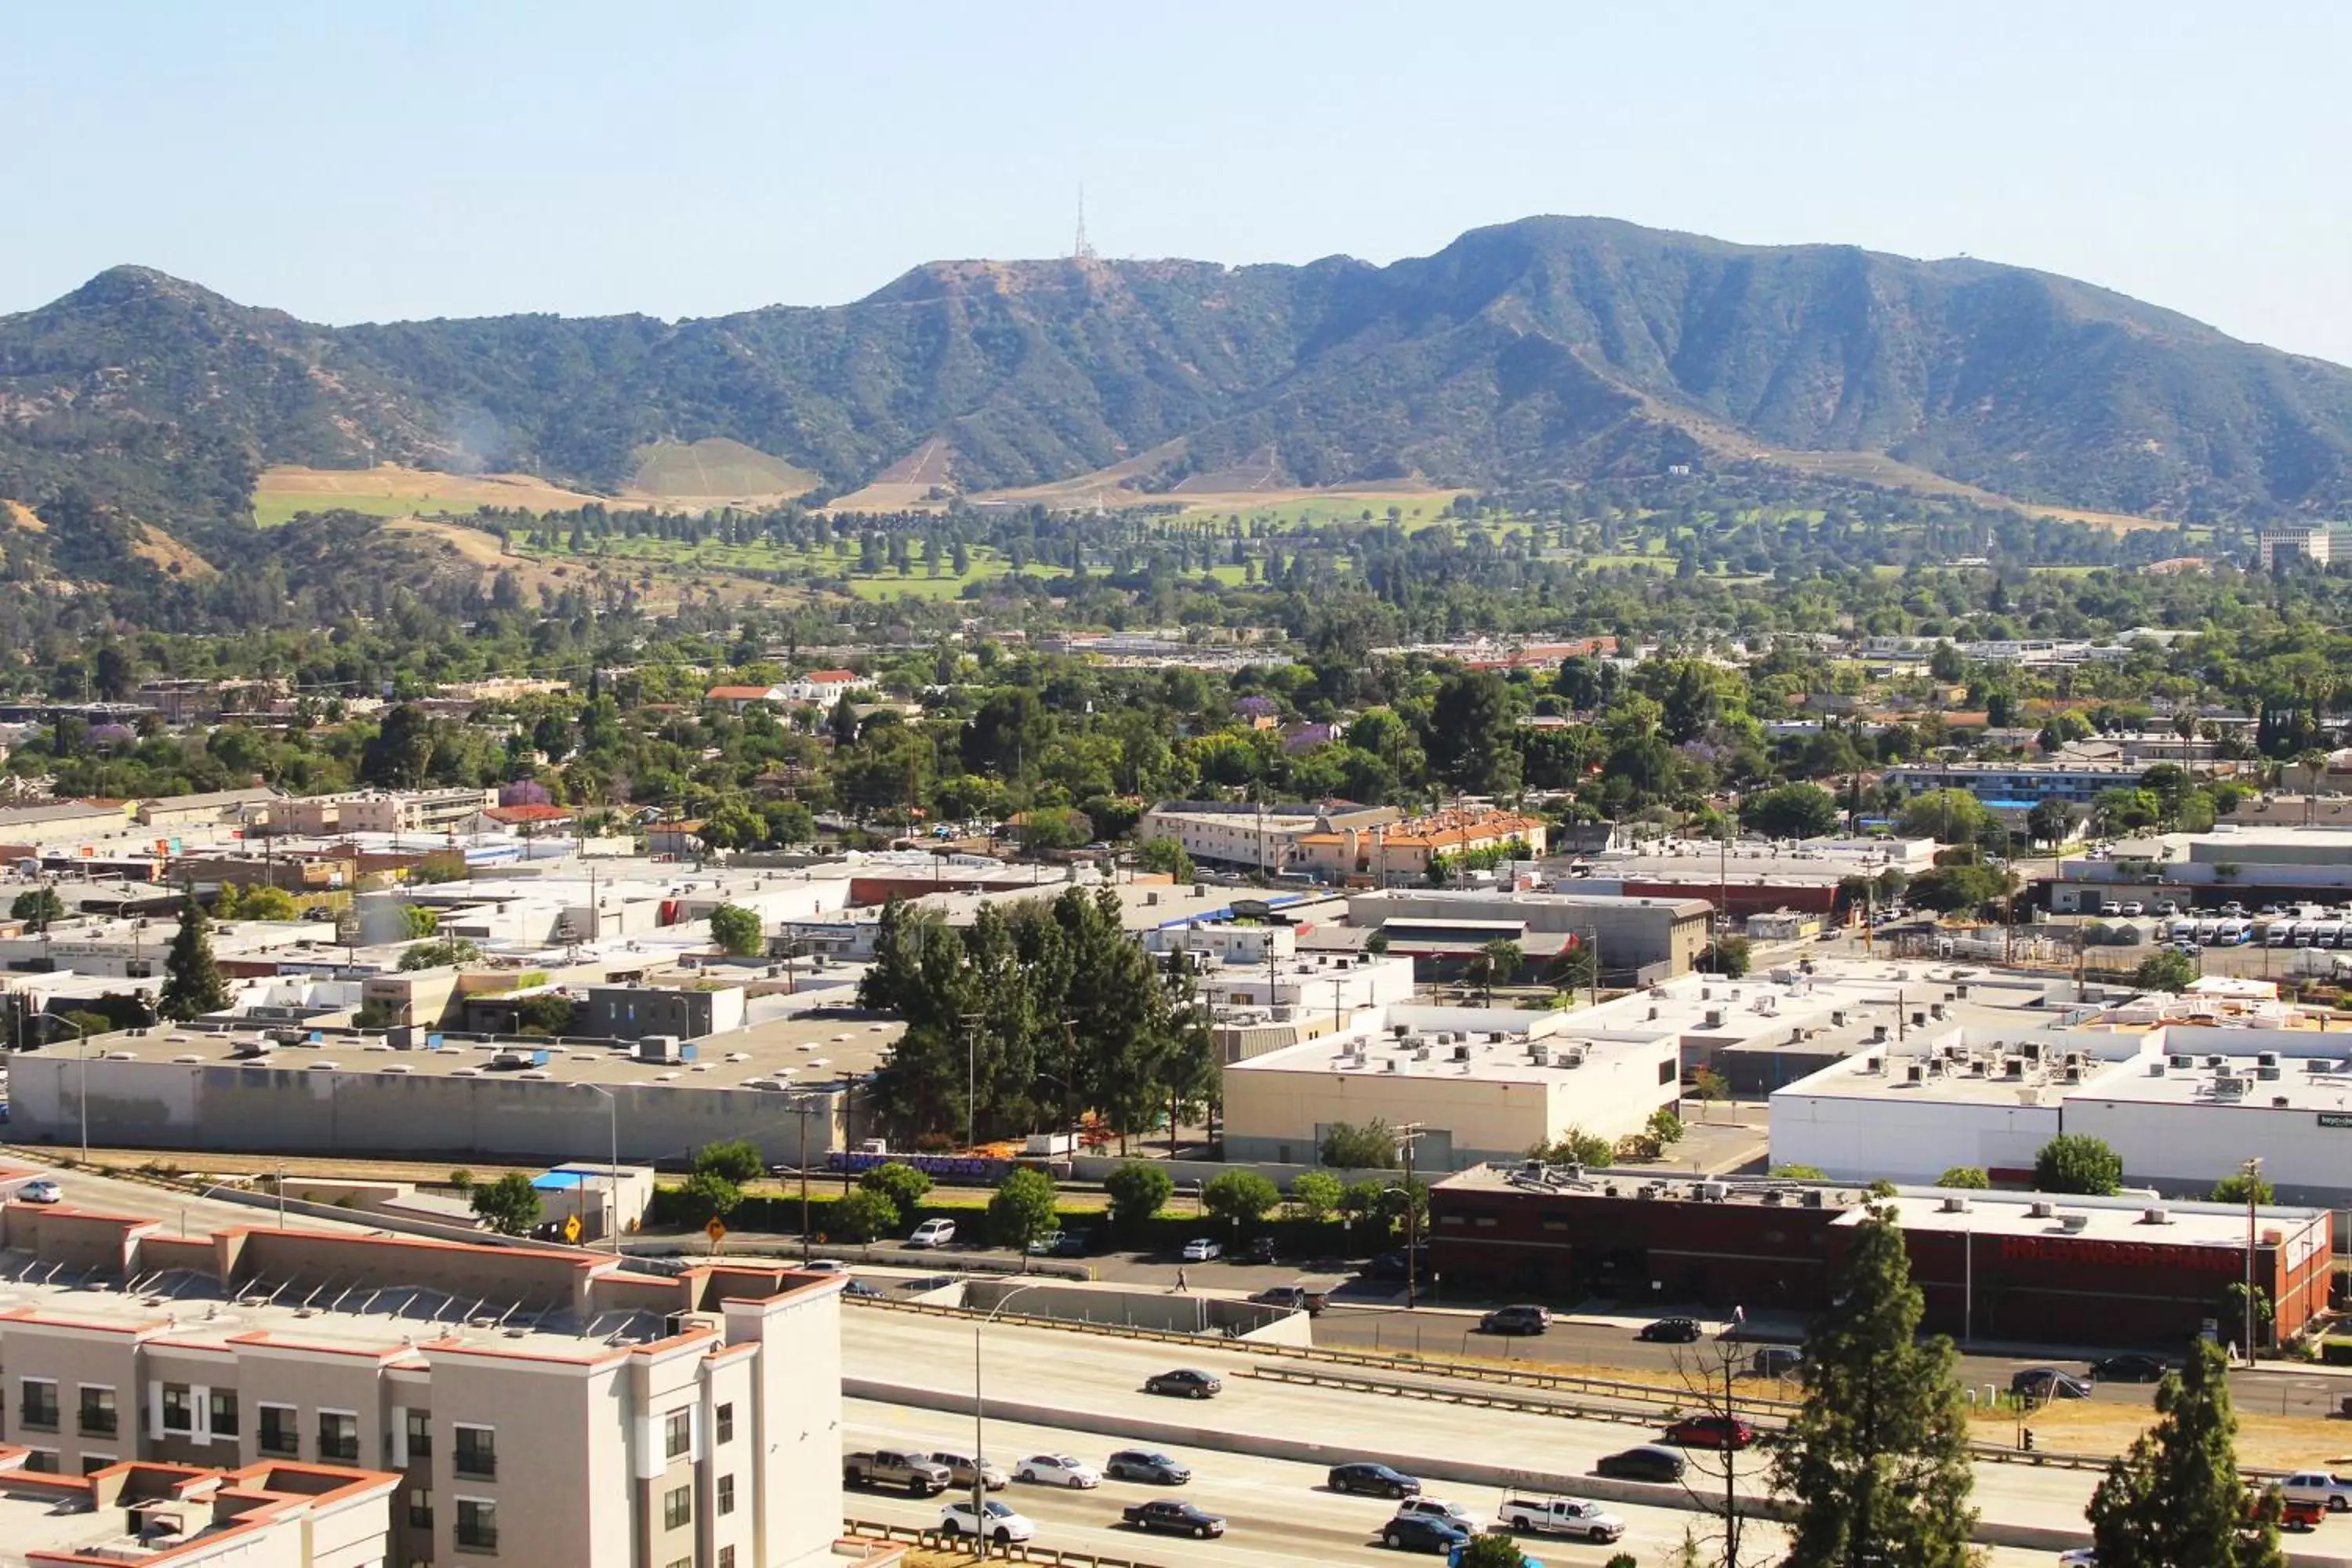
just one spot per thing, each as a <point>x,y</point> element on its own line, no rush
<point>349,162</point>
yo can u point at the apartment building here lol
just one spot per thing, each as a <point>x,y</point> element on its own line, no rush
<point>1266,836</point>
<point>453,810</point>
<point>181,1516</point>
<point>541,1408</point>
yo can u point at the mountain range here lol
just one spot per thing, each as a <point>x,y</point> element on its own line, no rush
<point>1551,348</point>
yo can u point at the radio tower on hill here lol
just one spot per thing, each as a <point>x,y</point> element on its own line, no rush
<point>1082,249</point>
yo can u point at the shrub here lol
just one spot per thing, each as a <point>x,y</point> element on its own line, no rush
<point>903,1184</point>
<point>864,1215</point>
<point>1138,1190</point>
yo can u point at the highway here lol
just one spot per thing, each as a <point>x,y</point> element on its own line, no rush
<point>1278,1512</point>
<point>186,1213</point>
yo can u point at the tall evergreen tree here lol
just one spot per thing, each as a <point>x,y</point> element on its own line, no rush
<point>2174,1499</point>
<point>193,985</point>
<point>1877,1463</point>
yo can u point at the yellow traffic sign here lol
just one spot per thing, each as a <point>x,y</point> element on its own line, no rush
<point>716,1230</point>
<point>571,1230</point>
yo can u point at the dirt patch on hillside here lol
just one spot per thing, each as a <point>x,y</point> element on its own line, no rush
<point>425,489</point>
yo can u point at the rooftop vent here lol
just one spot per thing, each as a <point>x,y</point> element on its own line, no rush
<point>1955,1203</point>
<point>2156,1213</point>
<point>2074,1224</point>
<point>2039,1209</point>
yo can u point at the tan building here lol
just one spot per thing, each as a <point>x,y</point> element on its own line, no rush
<point>1258,836</point>
<point>1401,852</point>
<point>190,1516</point>
<point>384,811</point>
<point>539,1408</point>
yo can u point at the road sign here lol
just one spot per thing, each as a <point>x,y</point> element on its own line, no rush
<point>716,1230</point>
<point>571,1230</point>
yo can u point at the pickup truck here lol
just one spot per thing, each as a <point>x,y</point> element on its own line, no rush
<point>1560,1516</point>
<point>2331,1492</point>
<point>912,1473</point>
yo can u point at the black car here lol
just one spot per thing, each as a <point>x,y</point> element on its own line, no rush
<point>1145,1465</point>
<point>1515,1320</point>
<point>860,1287</point>
<point>1373,1481</point>
<point>1391,1265</point>
<point>1671,1331</point>
<point>1175,1518</point>
<point>1074,1243</point>
<point>2132,1366</point>
<point>1259,1250</point>
<point>1649,1462</point>
<point>1420,1532</point>
<point>2047,1383</point>
<point>1185,1382</point>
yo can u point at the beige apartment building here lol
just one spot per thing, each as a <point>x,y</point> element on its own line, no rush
<point>184,1516</point>
<point>541,1408</point>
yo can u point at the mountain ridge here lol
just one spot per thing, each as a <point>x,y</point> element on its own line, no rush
<point>1543,349</point>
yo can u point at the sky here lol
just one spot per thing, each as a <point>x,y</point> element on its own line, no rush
<point>368,162</point>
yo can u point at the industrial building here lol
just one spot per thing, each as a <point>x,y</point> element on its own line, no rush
<point>1743,875</point>
<point>1992,1266</point>
<point>2251,863</point>
<point>2184,1088</point>
<point>1658,937</point>
<point>694,1419</point>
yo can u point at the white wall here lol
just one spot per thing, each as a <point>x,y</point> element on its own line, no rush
<point>2195,1145</point>
<point>1900,1137</point>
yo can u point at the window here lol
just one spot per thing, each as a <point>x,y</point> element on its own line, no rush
<point>223,1406</point>
<point>478,1451</point>
<point>420,1436</point>
<point>1669,1071</point>
<point>727,1494</point>
<point>179,1414</point>
<point>677,1434</point>
<point>420,1509</point>
<point>98,1418</point>
<point>339,1436</point>
<point>41,1461</point>
<point>726,1423</point>
<point>725,1557</point>
<point>93,1463</point>
<point>681,1562</point>
<point>36,1405</point>
<point>280,1436</point>
<point>677,1508</point>
<point>478,1523</point>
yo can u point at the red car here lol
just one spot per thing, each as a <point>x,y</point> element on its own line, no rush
<point>1711,1431</point>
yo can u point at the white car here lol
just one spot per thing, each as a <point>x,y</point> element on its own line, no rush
<point>2331,1492</point>
<point>1057,1470</point>
<point>823,1265</point>
<point>1454,1514</point>
<point>1200,1250</point>
<point>2080,1557</point>
<point>932,1232</point>
<point>41,1191</point>
<point>1003,1525</point>
<point>2131,906</point>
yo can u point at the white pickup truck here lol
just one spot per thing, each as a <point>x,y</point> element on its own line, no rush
<point>2333,1493</point>
<point>1560,1516</point>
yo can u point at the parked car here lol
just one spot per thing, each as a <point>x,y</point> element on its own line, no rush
<point>1560,1516</point>
<point>1046,1245</point>
<point>1649,1462</point>
<point>1515,1320</point>
<point>1711,1431</point>
<point>1777,1361</point>
<point>1057,1470</point>
<point>1454,1514</point>
<point>1371,1480</point>
<point>1414,1533</point>
<point>1185,1382</point>
<point>916,1474</point>
<point>2134,907</point>
<point>1297,1297</point>
<point>1671,1331</point>
<point>932,1232</point>
<point>2331,1492</point>
<point>2079,1557</point>
<point>1146,1465</point>
<point>1202,1249</point>
<point>40,1190</point>
<point>2132,1366</point>
<point>2047,1383</point>
<point>1391,1265</point>
<point>2234,910</point>
<point>1259,1250</point>
<point>1173,1518</point>
<point>2110,906</point>
<point>963,1470</point>
<point>1001,1524</point>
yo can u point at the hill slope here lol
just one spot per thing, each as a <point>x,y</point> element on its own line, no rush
<point>1546,348</point>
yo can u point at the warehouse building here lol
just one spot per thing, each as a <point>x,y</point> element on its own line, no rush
<point>694,1419</point>
<point>1992,1266</point>
<point>1658,936</point>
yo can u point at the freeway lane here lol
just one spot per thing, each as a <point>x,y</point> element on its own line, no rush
<point>1098,1377</point>
<point>1278,1514</point>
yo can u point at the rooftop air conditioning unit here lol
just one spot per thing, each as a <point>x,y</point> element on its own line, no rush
<point>1936,1010</point>
<point>2074,1224</point>
<point>2070,1074</point>
<point>1878,1033</point>
<point>1391,1065</point>
<point>1713,1192</point>
<point>2039,1209</point>
<point>1837,1019</point>
<point>1715,1017</point>
<point>1955,1203</point>
<point>2183,1063</point>
<point>1461,1053</point>
<point>2280,1102</point>
<point>2266,1059</point>
<point>1977,1067</point>
<point>1916,1073</point>
<point>2013,1068</point>
<point>1814,1198</point>
<point>2268,1072</point>
<point>2156,1213</point>
<point>2217,1063</point>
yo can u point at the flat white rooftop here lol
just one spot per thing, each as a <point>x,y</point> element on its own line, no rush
<point>2218,1225</point>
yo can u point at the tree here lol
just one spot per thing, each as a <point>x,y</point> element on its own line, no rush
<point>1490,1551</point>
<point>508,1205</point>
<point>1371,1146</point>
<point>418,922</point>
<point>2052,820</point>
<point>1022,1208</point>
<point>902,1183</point>
<point>1877,1461</point>
<point>39,907</point>
<point>2240,1186</point>
<point>1799,1174</point>
<point>1137,1190</point>
<point>737,931</point>
<point>737,1159</point>
<point>862,1214</point>
<point>2077,1162</point>
<point>1315,1193</point>
<point>193,985</point>
<point>1666,1127</point>
<point>258,902</point>
<point>708,1195</point>
<point>1947,664</point>
<point>1166,855</point>
<point>2166,970</point>
<point>2174,1499</point>
<point>1970,1177</point>
<point>441,954</point>
<point>1729,955</point>
<point>1791,811</point>
<point>1242,1195</point>
<point>1469,739</point>
<point>1946,815</point>
<point>1710,1084</point>
<point>1496,963</point>
<point>1575,1147</point>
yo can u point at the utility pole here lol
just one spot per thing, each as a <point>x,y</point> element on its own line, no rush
<point>971,1022</point>
<point>2253,1170</point>
<point>1408,1134</point>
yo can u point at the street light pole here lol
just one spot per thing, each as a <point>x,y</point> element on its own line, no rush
<point>978,1428</point>
<point>612,1170</point>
